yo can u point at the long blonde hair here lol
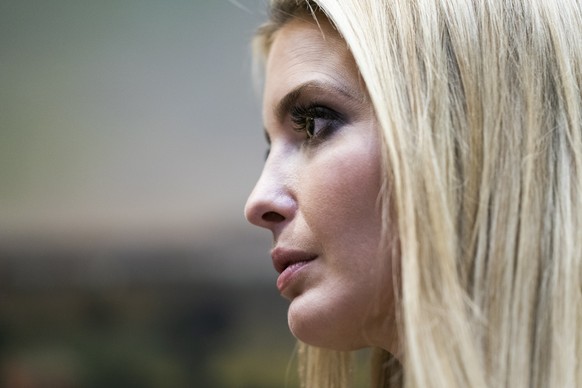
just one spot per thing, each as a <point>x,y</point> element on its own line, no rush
<point>480,106</point>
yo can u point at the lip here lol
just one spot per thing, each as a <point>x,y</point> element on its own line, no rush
<point>288,262</point>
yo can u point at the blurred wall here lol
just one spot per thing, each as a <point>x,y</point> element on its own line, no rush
<point>130,137</point>
<point>130,122</point>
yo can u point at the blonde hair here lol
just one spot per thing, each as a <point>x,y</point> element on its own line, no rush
<point>480,107</point>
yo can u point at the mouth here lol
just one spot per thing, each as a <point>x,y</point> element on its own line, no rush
<point>285,258</point>
<point>288,262</point>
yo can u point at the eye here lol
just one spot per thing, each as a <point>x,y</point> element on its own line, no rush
<point>315,121</point>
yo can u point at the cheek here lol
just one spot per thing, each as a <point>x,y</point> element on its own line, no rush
<point>353,288</point>
<point>340,192</point>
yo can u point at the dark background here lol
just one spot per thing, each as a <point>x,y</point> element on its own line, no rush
<point>130,136</point>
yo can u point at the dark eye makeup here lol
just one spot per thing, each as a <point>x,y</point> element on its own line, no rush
<point>316,121</point>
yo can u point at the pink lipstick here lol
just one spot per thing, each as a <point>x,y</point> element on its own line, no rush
<point>288,262</point>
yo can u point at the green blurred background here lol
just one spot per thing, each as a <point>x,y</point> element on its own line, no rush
<point>130,136</point>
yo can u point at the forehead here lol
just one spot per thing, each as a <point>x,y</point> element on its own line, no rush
<point>306,50</point>
<point>306,33</point>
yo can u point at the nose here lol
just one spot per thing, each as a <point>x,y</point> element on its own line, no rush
<point>271,204</point>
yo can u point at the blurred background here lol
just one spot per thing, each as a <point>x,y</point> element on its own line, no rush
<point>130,137</point>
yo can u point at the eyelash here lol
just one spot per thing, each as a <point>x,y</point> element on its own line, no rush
<point>305,118</point>
<point>301,114</point>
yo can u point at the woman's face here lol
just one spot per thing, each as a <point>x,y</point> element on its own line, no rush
<point>319,191</point>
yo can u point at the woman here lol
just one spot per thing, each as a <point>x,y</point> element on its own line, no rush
<point>423,187</point>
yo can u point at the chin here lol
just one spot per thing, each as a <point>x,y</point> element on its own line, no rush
<point>314,326</point>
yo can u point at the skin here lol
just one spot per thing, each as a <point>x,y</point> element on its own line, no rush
<point>320,196</point>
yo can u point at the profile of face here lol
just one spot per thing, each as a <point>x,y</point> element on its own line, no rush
<point>319,191</point>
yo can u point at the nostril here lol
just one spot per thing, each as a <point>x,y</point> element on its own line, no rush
<point>273,217</point>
